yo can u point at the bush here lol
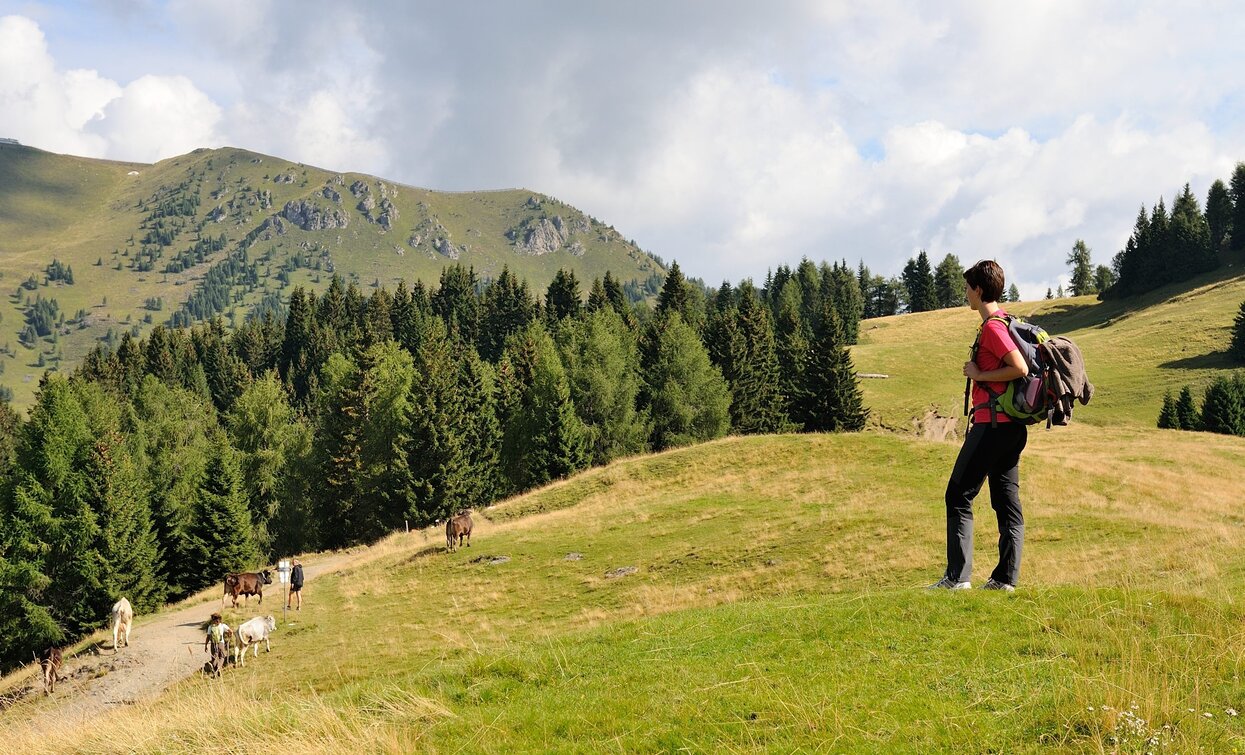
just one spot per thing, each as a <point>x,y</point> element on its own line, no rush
<point>1223,408</point>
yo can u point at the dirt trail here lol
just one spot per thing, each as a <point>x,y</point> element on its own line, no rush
<point>162,651</point>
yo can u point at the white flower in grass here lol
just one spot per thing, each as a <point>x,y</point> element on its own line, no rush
<point>1230,711</point>
<point>1208,715</point>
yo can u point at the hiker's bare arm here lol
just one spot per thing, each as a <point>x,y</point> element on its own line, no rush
<point>1013,367</point>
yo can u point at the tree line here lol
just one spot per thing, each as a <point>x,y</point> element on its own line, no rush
<point>162,463</point>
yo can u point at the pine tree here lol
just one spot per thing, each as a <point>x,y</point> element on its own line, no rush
<point>127,546</point>
<point>835,402</point>
<point>1237,347</point>
<point>1186,411</point>
<point>918,278</point>
<point>949,283</point>
<point>1013,293</point>
<point>508,307</point>
<point>596,297</point>
<point>437,452</point>
<point>602,366</point>
<point>1082,270</point>
<point>1236,232</point>
<point>1223,407</point>
<point>562,298</point>
<point>340,505</point>
<point>1219,211</point>
<point>837,283</point>
<point>1104,279</point>
<point>686,396</point>
<point>677,295</point>
<point>456,303</point>
<point>1168,419</point>
<point>263,428</point>
<point>388,376</point>
<point>792,348</point>
<point>1189,243</point>
<point>618,299</point>
<point>220,538</point>
<point>757,404</point>
<point>482,435</point>
<point>543,438</point>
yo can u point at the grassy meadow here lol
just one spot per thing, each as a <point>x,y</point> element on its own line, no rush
<point>763,593</point>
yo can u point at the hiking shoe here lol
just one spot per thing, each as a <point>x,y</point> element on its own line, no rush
<point>946,583</point>
<point>994,584</point>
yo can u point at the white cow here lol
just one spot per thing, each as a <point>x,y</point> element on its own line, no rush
<point>122,617</point>
<point>253,632</point>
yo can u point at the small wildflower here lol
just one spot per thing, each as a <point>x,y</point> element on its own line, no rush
<point>1091,709</point>
<point>1208,715</point>
<point>1230,711</point>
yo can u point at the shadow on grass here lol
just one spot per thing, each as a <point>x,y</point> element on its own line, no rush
<point>425,552</point>
<point>1213,360</point>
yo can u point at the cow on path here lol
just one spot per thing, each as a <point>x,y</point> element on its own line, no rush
<point>122,618</point>
<point>50,663</point>
<point>246,584</point>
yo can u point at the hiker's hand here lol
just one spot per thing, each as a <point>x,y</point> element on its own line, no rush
<point>971,370</point>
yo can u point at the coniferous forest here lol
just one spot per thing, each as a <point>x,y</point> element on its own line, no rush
<point>163,463</point>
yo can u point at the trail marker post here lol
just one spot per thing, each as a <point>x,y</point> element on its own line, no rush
<point>283,574</point>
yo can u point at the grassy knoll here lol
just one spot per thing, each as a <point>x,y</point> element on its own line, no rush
<point>1134,350</point>
<point>775,606</point>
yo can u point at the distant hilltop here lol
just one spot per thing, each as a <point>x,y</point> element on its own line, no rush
<point>7,140</point>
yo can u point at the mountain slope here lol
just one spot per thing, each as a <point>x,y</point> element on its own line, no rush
<point>141,240</point>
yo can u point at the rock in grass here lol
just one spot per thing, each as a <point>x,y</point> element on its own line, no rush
<point>621,571</point>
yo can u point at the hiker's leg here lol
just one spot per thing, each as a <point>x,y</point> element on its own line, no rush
<point>966,479</point>
<point>1005,499</point>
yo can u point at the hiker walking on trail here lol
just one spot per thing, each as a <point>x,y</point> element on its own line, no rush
<point>296,586</point>
<point>992,446</point>
<point>214,642</point>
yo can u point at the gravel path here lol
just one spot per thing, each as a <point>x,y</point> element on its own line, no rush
<point>162,651</point>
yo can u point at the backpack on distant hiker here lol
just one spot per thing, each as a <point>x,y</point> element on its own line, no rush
<point>1056,377</point>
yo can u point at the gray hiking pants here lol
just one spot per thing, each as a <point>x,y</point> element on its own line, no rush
<point>988,453</point>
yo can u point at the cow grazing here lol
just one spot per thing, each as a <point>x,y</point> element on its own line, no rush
<point>122,618</point>
<point>50,662</point>
<point>252,632</point>
<point>246,584</point>
<point>458,527</point>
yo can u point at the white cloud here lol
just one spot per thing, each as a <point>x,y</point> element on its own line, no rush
<point>157,117</point>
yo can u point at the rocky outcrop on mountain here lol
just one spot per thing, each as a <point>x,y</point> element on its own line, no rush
<point>284,178</point>
<point>532,203</point>
<point>311,217</point>
<point>360,187</point>
<point>265,199</point>
<point>338,180</point>
<point>576,249</point>
<point>217,214</point>
<point>367,204</point>
<point>446,249</point>
<point>330,193</point>
<point>273,224</point>
<point>388,214</point>
<point>545,236</point>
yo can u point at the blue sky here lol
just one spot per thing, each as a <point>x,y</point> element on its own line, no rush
<point>732,136</point>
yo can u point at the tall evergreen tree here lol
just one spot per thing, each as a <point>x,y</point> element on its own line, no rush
<point>918,278</point>
<point>1104,279</point>
<point>220,539</point>
<point>438,453</point>
<point>1223,407</point>
<point>1237,230</point>
<point>1189,244</point>
<point>341,508</point>
<point>1168,419</point>
<point>1219,210</point>
<point>677,295</point>
<point>1186,410</point>
<point>562,299</point>
<point>687,398</point>
<point>508,307</point>
<point>949,283</point>
<point>456,303</point>
<point>263,428</point>
<point>837,283</point>
<point>1237,346</point>
<point>1082,270</point>
<point>757,404</point>
<point>835,402</point>
<point>603,365</point>
<point>1013,293</point>
<point>792,349</point>
<point>388,376</point>
<point>482,434</point>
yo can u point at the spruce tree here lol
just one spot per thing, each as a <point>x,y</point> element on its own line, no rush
<point>456,303</point>
<point>1189,243</point>
<point>687,398</point>
<point>949,283</point>
<point>1186,411</point>
<point>677,295</point>
<point>127,546</point>
<point>1219,211</point>
<point>603,365</point>
<point>508,307</point>
<point>482,433</point>
<point>437,449</point>
<point>220,538</point>
<point>918,278</point>
<point>1168,419</point>
<point>835,402</point>
<point>562,298</point>
<point>792,349</point>
<point>618,299</point>
<point>837,283</point>
<point>1237,229</point>
<point>263,428</point>
<point>1237,347</point>
<point>757,403</point>
<point>596,297</point>
<point>1082,270</point>
<point>1013,293</point>
<point>1223,407</point>
<point>387,378</point>
<point>340,505</point>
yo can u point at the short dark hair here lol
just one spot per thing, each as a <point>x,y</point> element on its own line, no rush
<point>988,276</point>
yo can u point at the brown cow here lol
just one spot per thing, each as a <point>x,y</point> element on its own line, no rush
<point>458,527</point>
<point>246,584</point>
<point>50,662</point>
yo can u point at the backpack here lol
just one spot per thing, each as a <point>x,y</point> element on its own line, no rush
<point>1027,400</point>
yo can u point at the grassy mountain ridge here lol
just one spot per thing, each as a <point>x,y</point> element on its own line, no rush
<point>141,239</point>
